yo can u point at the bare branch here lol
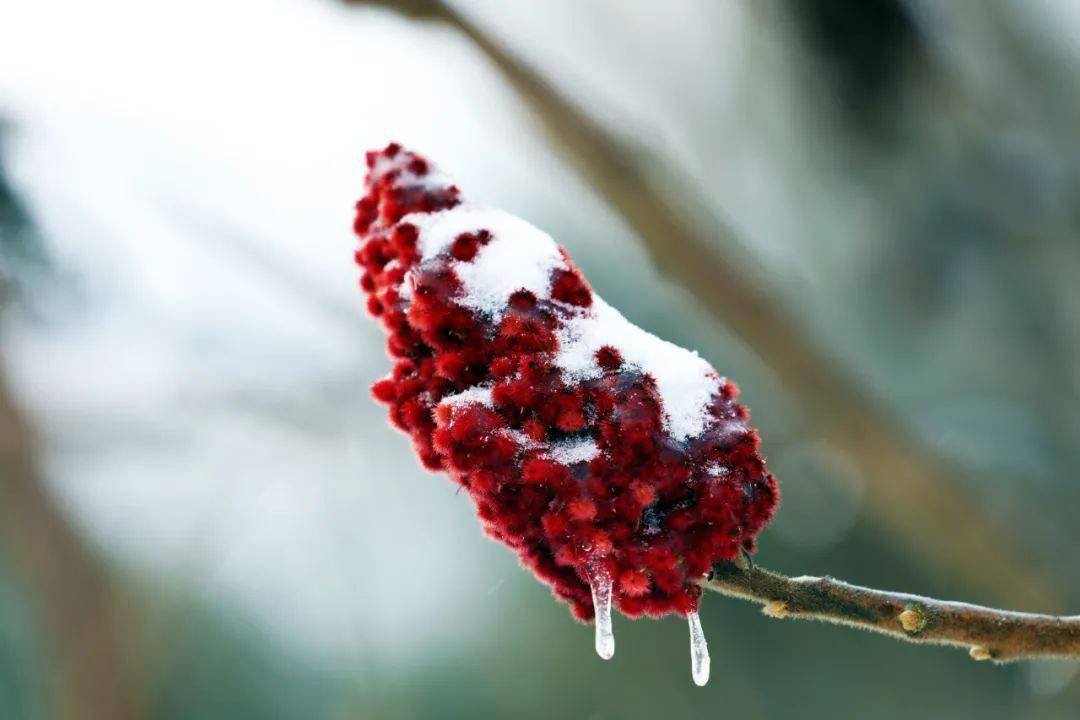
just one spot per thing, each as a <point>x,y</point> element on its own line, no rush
<point>988,634</point>
<point>910,489</point>
<point>82,614</point>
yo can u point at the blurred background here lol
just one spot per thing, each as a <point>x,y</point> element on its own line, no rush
<point>866,212</point>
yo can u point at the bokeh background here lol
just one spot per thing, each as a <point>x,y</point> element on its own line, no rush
<point>865,212</point>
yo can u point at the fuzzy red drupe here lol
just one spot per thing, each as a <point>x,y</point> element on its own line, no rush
<point>585,466</point>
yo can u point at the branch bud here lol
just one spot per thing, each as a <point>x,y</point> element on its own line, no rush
<point>775,609</point>
<point>912,619</point>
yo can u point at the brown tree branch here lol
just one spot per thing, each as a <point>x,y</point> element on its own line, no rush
<point>988,634</point>
<point>76,599</point>
<point>909,488</point>
<point>80,611</point>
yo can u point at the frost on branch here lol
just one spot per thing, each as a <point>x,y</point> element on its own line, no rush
<point>590,447</point>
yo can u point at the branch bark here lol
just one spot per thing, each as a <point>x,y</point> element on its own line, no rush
<point>77,600</point>
<point>81,615</point>
<point>988,634</point>
<point>908,487</point>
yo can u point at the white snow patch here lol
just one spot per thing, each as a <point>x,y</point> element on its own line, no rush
<point>686,382</point>
<point>524,441</point>
<point>433,178</point>
<point>574,451</point>
<point>520,256</point>
<point>476,394</point>
<point>523,257</point>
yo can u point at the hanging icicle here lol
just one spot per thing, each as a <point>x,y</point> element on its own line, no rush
<point>699,651</point>
<point>601,597</point>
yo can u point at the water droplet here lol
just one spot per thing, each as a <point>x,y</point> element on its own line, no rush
<point>601,597</point>
<point>699,651</point>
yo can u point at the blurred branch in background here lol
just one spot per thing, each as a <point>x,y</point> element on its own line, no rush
<point>80,610</point>
<point>988,634</point>
<point>909,488</point>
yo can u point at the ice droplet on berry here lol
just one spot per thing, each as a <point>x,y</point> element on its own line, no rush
<point>600,581</point>
<point>699,651</point>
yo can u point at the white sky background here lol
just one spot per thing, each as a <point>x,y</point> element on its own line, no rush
<point>201,382</point>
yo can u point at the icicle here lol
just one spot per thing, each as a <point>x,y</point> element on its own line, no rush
<point>601,599</point>
<point>699,651</point>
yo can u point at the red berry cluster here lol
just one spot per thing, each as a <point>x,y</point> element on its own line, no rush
<point>483,401</point>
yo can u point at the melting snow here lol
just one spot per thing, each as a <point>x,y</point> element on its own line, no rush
<point>574,451</point>
<point>686,382</point>
<point>521,256</point>
<point>600,582</point>
<point>699,651</point>
<point>476,394</point>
